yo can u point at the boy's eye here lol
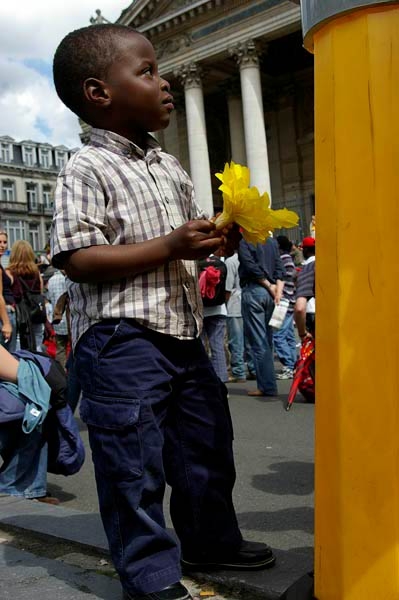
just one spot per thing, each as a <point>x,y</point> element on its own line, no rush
<point>148,70</point>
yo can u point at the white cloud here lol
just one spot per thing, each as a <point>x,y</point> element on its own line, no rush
<point>27,97</point>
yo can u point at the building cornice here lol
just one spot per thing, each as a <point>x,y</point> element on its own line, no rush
<point>138,18</point>
<point>286,17</point>
<point>7,169</point>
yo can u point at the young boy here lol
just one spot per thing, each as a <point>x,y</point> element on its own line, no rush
<point>126,231</point>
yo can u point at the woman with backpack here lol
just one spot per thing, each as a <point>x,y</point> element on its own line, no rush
<point>27,289</point>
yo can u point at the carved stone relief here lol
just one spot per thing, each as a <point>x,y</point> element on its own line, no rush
<point>172,46</point>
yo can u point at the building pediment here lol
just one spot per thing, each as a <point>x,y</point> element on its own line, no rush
<point>195,30</point>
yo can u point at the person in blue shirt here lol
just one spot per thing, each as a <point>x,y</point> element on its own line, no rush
<point>24,469</point>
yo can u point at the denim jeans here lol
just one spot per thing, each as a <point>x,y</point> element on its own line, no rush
<point>38,333</point>
<point>257,306</point>
<point>235,332</point>
<point>11,345</point>
<point>24,470</point>
<point>215,330</point>
<point>156,413</point>
<point>285,342</point>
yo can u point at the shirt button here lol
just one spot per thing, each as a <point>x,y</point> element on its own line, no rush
<point>167,200</point>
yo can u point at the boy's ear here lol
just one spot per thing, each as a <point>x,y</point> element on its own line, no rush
<point>96,92</point>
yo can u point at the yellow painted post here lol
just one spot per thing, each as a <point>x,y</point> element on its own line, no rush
<point>356,48</point>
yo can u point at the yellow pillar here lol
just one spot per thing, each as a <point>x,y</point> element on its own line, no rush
<point>357,289</point>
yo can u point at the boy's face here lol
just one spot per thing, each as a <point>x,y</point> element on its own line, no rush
<point>140,98</point>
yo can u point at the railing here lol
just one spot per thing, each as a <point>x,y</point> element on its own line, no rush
<point>19,207</point>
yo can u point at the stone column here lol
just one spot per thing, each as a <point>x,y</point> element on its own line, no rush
<point>254,123</point>
<point>236,124</point>
<point>190,76</point>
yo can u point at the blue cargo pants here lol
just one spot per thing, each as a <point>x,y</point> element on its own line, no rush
<point>156,412</point>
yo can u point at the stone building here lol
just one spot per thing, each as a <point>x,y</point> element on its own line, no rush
<point>28,172</point>
<point>243,88</point>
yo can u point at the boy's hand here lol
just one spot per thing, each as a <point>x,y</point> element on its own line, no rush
<point>231,239</point>
<point>193,240</point>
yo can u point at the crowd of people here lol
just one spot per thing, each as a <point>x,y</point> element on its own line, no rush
<point>128,233</point>
<point>28,285</point>
<point>242,341</point>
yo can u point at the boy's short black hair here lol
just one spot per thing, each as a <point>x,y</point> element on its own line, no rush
<point>83,53</point>
<point>284,243</point>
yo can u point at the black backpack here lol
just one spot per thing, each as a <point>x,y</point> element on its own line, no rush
<point>212,280</point>
<point>34,304</point>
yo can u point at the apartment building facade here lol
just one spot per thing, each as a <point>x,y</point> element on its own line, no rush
<point>28,173</point>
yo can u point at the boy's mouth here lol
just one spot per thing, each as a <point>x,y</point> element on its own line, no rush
<point>168,103</point>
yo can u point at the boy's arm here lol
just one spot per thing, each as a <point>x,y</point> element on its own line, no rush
<point>300,316</point>
<point>80,245</point>
<point>100,263</point>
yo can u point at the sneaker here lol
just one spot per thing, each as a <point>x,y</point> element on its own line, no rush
<point>176,591</point>
<point>236,380</point>
<point>286,373</point>
<point>47,500</point>
<point>250,556</point>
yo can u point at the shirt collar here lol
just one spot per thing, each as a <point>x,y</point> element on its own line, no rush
<point>309,260</point>
<point>121,145</point>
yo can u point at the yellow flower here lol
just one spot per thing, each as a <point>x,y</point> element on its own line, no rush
<point>246,207</point>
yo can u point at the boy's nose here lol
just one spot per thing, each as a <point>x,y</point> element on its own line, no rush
<point>165,85</point>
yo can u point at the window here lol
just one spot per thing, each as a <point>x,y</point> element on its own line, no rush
<point>31,196</point>
<point>34,236</point>
<point>60,159</point>
<point>28,155</point>
<point>16,231</point>
<point>6,152</point>
<point>47,197</point>
<point>45,158</point>
<point>8,191</point>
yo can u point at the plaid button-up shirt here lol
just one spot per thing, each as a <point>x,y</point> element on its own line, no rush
<point>111,192</point>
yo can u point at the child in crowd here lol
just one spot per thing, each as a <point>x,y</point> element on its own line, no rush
<point>127,232</point>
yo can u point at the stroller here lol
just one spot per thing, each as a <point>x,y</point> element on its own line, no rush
<point>304,374</point>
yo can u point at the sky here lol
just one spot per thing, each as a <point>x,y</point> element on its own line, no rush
<point>30,31</point>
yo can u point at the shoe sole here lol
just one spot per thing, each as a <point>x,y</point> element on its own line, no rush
<point>262,564</point>
<point>127,596</point>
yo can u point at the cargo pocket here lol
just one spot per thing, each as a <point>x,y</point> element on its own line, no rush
<point>115,436</point>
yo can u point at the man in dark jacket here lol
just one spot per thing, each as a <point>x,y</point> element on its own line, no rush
<point>262,276</point>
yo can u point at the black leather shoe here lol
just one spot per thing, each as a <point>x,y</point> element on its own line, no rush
<point>251,556</point>
<point>176,591</point>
